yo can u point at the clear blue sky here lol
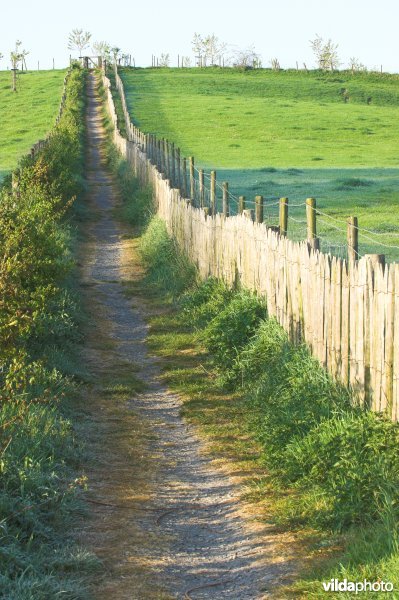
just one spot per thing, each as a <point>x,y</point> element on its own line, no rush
<point>366,29</point>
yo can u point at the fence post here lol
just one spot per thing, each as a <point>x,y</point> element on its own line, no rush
<point>376,259</point>
<point>313,242</point>
<point>166,158</point>
<point>184,190</point>
<point>283,216</point>
<point>259,209</point>
<point>226,210</point>
<point>178,174</point>
<point>162,147</point>
<point>159,155</point>
<point>213,193</point>
<point>353,239</point>
<point>192,179</point>
<point>172,164</point>
<point>241,204</point>
<point>201,188</point>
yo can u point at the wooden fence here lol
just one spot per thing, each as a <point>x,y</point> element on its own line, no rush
<point>347,313</point>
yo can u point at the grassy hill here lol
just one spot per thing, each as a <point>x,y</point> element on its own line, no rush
<point>334,136</point>
<point>232,119</point>
<point>28,114</point>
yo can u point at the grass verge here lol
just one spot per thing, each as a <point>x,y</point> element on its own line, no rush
<point>40,318</point>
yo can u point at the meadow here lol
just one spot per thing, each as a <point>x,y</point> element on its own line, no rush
<point>28,114</point>
<point>332,136</point>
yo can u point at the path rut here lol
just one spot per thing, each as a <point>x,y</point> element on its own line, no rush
<point>207,549</point>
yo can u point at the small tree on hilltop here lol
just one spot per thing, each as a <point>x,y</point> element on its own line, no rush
<point>164,60</point>
<point>115,51</point>
<point>185,61</point>
<point>326,53</point>
<point>17,58</point>
<point>102,49</point>
<point>275,64</point>
<point>79,40</point>
<point>356,65</point>
<point>198,44</point>
<point>247,59</point>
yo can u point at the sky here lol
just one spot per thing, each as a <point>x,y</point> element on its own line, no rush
<point>365,29</point>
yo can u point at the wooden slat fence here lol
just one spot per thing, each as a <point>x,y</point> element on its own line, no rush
<point>347,314</point>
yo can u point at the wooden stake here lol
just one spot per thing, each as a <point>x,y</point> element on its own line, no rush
<point>201,188</point>
<point>352,236</point>
<point>213,193</point>
<point>241,204</point>
<point>226,209</point>
<point>173,164</point>
<point>259,209</point>
<point>185,186</point>
<point>192,179</point>
<point>376,259</point>
<point>283,216</point>
<point>311,223</point>
<point>178,173</point>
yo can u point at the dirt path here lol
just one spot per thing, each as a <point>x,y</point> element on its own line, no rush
<point>166,522</point>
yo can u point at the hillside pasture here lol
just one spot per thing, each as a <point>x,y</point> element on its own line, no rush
<point>332,136</point>
<point>28,114</point>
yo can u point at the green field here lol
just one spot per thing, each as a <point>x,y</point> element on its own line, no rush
<point>28,114</point>
<point>289,134</point>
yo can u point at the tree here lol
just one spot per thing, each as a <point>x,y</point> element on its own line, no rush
<point>208,49</point>
<point>185,61</point>
<point>247,59</point>
<point>356,65</point>
<point>275,64</point>
<point>115,51</point>
<point>79,40</point>
<point>17,58</point>
<point>102,49</point>
<point>164,60</point>
<point>211,48</point>
<point>326,53</point>
<point>198,45</point>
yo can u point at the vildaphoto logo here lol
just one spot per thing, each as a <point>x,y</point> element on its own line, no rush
<point>335,585</point>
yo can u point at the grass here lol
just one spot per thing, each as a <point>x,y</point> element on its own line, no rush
<point>28,114</point>
<point>286,134</point>
<point>263,118</point>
